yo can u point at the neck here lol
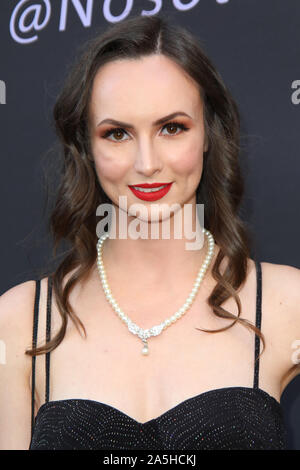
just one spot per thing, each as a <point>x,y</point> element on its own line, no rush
<point>155,262</point>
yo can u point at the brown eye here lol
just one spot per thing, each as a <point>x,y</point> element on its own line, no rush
<point>117,134</point>
<point>171,128</point>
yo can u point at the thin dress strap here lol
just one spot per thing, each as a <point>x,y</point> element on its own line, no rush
<point>257,321</point>
<point>34,339</point>
<point>48,335</point>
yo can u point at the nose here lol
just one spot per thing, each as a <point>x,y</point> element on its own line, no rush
<point>147,160</point>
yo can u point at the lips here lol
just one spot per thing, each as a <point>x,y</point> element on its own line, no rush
<point>153,195</point>
<point>148,185</point>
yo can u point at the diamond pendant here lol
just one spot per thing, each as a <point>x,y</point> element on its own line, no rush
<point>145,350</point>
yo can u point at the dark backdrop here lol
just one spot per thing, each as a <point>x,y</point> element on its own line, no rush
<point>254,44</point>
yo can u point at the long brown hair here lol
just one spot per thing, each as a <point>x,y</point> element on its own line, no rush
<point>73,218</point>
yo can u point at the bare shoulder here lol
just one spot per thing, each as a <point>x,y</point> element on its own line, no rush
<point>16,319</point>
<point>281,311</point>
<point>283,283</point>
<point>16,316</point>
<point>14,301</point>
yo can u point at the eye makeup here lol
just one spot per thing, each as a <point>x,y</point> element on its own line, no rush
<point>112,130</point>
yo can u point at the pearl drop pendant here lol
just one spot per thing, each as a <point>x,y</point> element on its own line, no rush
<point>145,350</point>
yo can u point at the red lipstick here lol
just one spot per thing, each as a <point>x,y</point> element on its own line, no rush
<point>153,195</point>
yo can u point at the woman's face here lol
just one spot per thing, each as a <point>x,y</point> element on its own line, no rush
<point>139,93</point>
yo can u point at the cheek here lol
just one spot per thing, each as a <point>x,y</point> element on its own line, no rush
<point>109,168</point>
<point>188,160</point>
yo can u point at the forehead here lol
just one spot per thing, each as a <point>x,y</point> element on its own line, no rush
<point>149,86</point>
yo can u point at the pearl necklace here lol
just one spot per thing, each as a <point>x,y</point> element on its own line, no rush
<point>157,329</point>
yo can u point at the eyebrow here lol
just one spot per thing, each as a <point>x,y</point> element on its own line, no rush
<point>155,123</point>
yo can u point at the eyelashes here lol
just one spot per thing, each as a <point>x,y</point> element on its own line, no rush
<point>113,130</point>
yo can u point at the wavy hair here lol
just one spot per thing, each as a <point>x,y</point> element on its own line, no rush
<point>221,189</point>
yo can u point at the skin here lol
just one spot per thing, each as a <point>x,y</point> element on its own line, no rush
<point>148,154</point>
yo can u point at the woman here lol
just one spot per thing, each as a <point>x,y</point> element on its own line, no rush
<point>144,105</point>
